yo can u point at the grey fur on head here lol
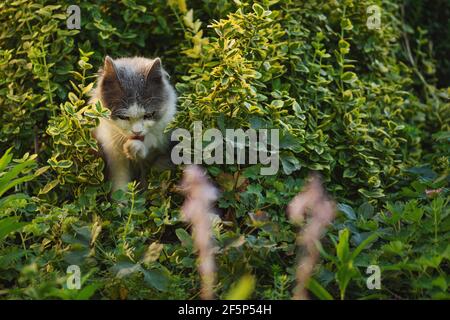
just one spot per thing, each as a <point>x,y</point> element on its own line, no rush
<point>127,81</point>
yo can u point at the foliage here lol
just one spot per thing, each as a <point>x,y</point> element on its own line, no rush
<point>363,107</point>
<point>75,155</point>
<point>412,249</point>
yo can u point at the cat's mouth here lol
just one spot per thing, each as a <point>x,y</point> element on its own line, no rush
<point>137,137</point>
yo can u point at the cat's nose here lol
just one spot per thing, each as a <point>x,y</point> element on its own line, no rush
<point>137,133</point>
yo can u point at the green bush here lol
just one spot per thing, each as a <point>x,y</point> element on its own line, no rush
<point>360,106</point>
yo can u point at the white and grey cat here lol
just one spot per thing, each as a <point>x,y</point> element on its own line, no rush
<point>142,102</point>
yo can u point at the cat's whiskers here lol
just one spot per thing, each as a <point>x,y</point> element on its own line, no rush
<point>149,101</point>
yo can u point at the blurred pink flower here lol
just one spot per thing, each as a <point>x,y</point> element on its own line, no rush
<point>322,212</point>
<point>196,209</point>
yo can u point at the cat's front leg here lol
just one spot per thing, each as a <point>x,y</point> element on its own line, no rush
<point>119,173</point>
<point>135,149</point>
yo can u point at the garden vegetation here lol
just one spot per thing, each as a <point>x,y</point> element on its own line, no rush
<point>366,108</point>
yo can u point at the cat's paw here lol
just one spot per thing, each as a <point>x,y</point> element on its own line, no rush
<point>135,149</point>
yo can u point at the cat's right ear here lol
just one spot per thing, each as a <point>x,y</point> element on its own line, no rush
<point>109,68</point>
<point>110,87</point>
<point>110,78</point>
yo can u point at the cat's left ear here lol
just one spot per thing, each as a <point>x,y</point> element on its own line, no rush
<point>154,72</point>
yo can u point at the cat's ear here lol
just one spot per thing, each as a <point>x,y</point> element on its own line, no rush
<point>110,77</point>
<point>154,72</point>
<point>110,86</point>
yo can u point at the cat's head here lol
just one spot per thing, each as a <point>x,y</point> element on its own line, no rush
<point>138,94</point>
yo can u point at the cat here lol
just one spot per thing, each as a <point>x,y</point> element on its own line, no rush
<point>142,102</point>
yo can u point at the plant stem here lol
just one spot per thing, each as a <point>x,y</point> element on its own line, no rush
<point>129,216</point>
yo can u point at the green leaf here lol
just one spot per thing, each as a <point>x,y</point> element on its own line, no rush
<point>258,9</point>
<point>363,244</point>
<point>347,210</point>
<point>185,238</point>
<point>72,97</point>
<point>7,180</point>
<point>349,173</point>
<point>346,24</point>
<point>10,225</point>
<point>87,292</point>
<point>156,279</point>
<point>290,164</point>
<point>349,77</point>
<point>243,289</point>
<point>366,210</point>
<point>342,248</point>
<point>49,186</point>
<point>377,193</point>
<point>41,170</point>
<point>10,200</point>
<point>87,89</point>
<point>5,159</point>
<point>14,183</point>
<point>344,46</point>
<point>319,291</point>
<point>277,104</point>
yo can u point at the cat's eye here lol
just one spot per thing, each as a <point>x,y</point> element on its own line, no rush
<point>150,115</point>
<point>123,117</point>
